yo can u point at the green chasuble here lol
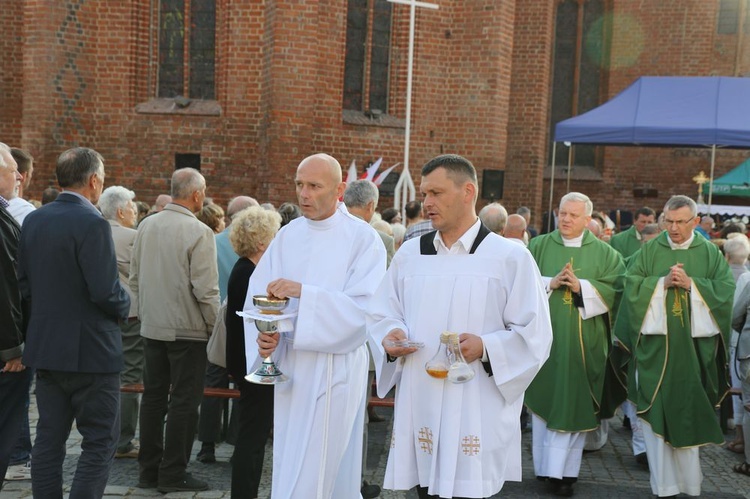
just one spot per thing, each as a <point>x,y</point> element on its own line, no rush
<point>681,379</point>
<point>626,242</point>
<point>567,392</point>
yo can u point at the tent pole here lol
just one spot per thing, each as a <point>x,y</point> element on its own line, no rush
<point>550,216</point>
<point>711,179</point>
<point>570,167</point>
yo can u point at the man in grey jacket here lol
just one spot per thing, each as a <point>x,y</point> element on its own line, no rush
<point>174,276</point>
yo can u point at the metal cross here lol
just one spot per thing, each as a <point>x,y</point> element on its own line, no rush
<point>405,190</point>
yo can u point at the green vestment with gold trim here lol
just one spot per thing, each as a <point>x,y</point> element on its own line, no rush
<point>567,392</point>
<point>680,379</point>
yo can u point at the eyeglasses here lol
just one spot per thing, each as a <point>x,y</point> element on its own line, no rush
<point>678,223</point>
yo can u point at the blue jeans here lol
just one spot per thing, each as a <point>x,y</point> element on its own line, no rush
<point>21,453</point>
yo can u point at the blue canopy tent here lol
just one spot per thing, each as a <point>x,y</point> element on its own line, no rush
<point>666,111</point>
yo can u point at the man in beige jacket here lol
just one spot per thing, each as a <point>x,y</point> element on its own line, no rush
<point>174,276</point>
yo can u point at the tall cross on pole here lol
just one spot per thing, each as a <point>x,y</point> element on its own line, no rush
<point>405,190</point>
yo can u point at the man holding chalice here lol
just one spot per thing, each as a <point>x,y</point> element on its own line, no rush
<point>328,264</point>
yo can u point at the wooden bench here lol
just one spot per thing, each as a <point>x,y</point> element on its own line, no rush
<point>231,393</point>
<point>376,402</point>
<point>222,393</point>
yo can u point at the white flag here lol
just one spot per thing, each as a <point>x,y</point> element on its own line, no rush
<point>380,178</point>
<point>351,175</point>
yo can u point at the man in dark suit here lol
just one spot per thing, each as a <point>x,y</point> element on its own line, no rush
<point>68,268</point>
<point>14,377</point>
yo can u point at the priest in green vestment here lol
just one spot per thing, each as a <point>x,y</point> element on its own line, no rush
<point>631,240</point>
<point>583,276</point>
<point>678,297</point>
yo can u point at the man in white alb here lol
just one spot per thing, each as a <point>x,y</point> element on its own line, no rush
<point>329,264</point>
<point>458,440</point>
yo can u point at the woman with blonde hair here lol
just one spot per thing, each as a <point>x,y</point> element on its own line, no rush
<point>251,232</point>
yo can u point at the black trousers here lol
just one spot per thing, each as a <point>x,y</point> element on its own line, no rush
<point>14,391</point>
<point>209,424</point>
<point>255,408</point>
<point>93,400</point>
<point>165,449</point>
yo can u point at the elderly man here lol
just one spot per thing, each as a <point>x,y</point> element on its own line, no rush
<point>736,250</point>
<point>705,226</point>
<point>328,263</point>
<point>515,229</point>
<point>162,200</point>
<point>583,276</point>
<point>15,379</point>
<point>488,289</point>
<point>678,297</point>
<point>494,216</point>
<point>209,426</point>
<point>361,200</point>
<point>173,274</point>
<point>68,268</point>
<point>631,240</point>
<point>20,468</point>
<point>19,207</point>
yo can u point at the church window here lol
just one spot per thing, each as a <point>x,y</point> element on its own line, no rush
<point>731,14</point>
<point>187,49</point>
<point>581,58</point>
<point>367,60</point>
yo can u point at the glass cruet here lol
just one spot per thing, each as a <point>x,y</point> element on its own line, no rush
<point>440,363</point>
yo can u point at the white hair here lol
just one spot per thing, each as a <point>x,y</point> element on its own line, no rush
<point>581,198</point>
<point>737,248</point>
<point>399,231</point>
<point>6,148</point>
<point>114,198</point>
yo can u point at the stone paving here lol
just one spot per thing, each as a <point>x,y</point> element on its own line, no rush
<point>609,473</point>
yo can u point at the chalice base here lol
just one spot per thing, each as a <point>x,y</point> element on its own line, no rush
<point>267,374</point>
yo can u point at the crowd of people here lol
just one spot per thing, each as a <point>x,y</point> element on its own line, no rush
<point>561,326</point>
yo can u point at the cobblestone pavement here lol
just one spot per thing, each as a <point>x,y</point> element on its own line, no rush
<point>609,473</point>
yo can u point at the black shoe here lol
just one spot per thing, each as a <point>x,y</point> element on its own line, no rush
<point>374,417</point>
<point>564,490</point>
<point>146,484</point>
<point>187,484</point>
<point>642,460</point>
<point>626,423</point>
<point>206,455</point>
<point>369,491</point>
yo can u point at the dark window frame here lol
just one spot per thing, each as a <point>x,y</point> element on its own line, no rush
<point>730,19</point>
<point>368,57</point>
<point>579,83</point>
<point>186,62</point>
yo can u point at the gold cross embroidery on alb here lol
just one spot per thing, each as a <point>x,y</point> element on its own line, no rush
<point>425,440</point>
<point>470,445</point>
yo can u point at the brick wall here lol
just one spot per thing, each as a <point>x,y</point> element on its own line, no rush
<point>78,72</point>
<point>11,71</point>
<point>662,38</point>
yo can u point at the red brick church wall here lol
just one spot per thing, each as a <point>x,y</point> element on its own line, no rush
<point>75,71</point>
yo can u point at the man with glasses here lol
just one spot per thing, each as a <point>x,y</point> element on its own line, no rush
<point>678,297</point>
